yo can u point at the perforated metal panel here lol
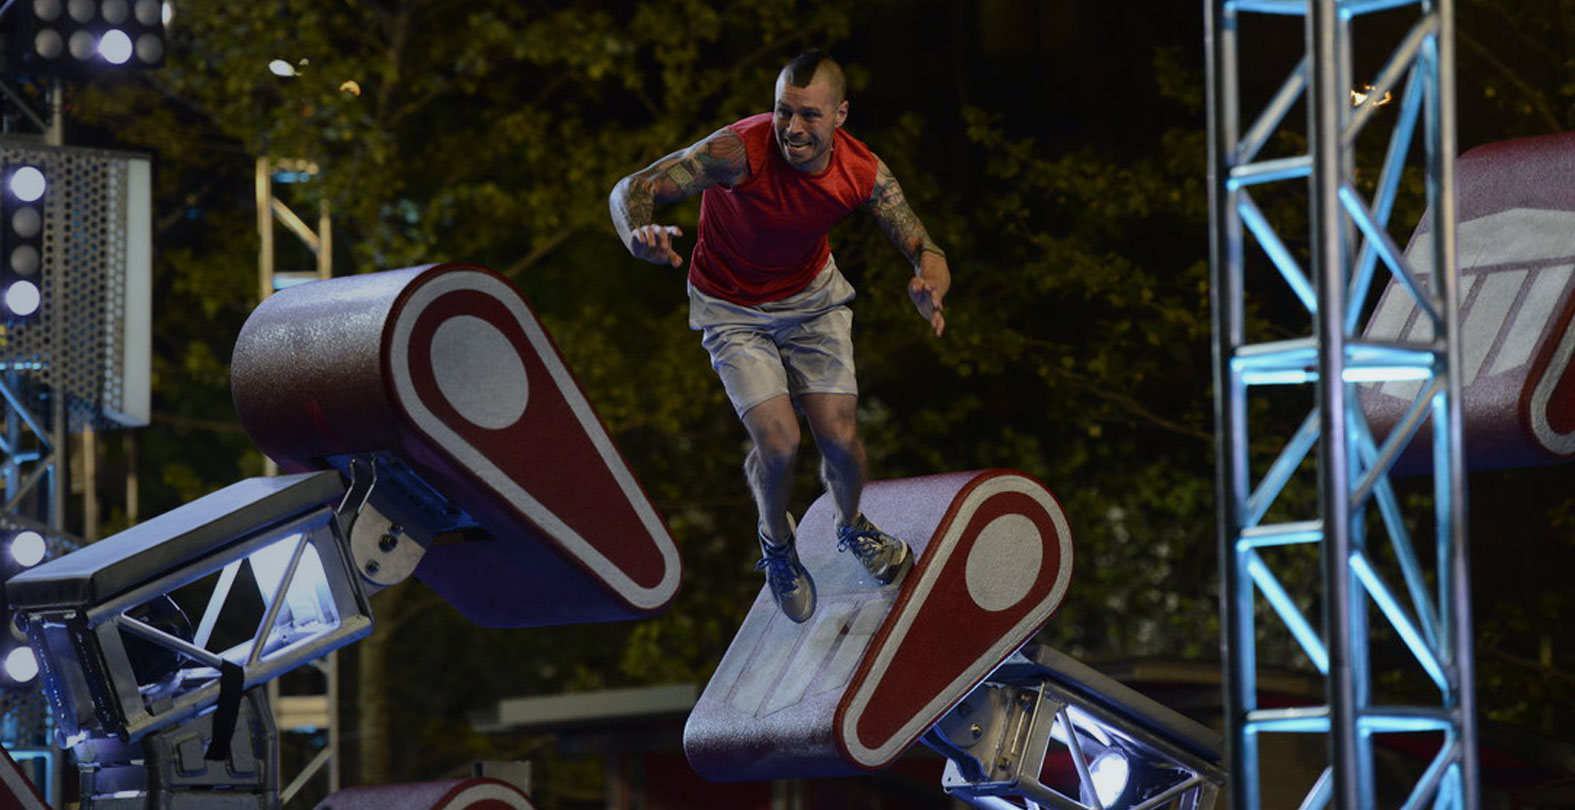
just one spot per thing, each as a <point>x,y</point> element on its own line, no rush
<point>83,342</point>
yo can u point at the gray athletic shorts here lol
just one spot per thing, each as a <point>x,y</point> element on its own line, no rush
<point>802,344</point>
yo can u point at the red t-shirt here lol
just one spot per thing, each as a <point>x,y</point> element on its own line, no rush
<point>765,238</point>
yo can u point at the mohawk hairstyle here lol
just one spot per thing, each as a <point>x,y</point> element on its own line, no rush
<point>803,69</point>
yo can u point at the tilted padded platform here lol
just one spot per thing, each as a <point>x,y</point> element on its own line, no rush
<point>97,572</point>
<point>875,667</point>
<point>1516,243</point>
<point>446,369</point>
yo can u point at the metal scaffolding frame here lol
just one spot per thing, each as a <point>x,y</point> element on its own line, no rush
<point>310,710</point>
<point>1376,589</point>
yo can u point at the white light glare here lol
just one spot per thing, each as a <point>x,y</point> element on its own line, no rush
<point>28,548</point>
<point>1371,374</point>
<point>21,665</point>
<point>22,298</point>
<point>279,67</point>
<point>115,47</point>
<point>1355,374</point>
<point>27,183</point>
<point>1109,774</point>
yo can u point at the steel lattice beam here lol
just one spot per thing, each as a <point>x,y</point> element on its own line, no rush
<point>1366,587</point>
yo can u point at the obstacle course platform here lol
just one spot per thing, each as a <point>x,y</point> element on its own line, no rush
<point>443,374</point>
<point>1516,255</point>
<point>875,667</point>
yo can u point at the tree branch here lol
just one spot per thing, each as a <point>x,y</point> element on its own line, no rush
<point>525,262</point>
<point>1509,74</point>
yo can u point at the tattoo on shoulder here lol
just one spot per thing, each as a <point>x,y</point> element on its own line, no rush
<point>720,158</point>
<point>899,222</point>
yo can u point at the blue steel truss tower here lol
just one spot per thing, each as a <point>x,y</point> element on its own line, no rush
<point>1387,576</point>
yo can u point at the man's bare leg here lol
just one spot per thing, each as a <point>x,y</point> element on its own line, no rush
<point>833,419</point>
<point>769,466</point>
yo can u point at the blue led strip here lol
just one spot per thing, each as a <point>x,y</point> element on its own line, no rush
<point>1269,171</point>
<point>1278,253</point>
<point>1282,534</point>
<point>1386,602</point>
<point>1400,541</point>
<point>1388,185</point>
<point>1280,472</point>
<point>1433,777</point>
<point>1286,607</point>
<point>1322,792</point>
<point>1294,86</point>
<point>1388,251</point>
<point>1380,461</point>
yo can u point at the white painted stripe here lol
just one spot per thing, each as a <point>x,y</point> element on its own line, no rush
<point>1516,236</point>
<point>1393,312</point>
<point>829,622</point>
<point>742,650</point>
<point>1562,444</point>
<point>1547,291</point>
<point>503,484</point>
<point>1485,320</point>
<point>766,665</point>
<point>1421,331</point>
<point>865,625</point>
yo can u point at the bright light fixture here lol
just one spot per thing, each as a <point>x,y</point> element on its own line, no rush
<point>115,47</point>
<point>27,184</point>
<point>21,665</point>
<point>1109,774</point>
<point>22,298</point>
<point>28,548</point>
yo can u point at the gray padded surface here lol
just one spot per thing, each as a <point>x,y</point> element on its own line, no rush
<point>97,572</point>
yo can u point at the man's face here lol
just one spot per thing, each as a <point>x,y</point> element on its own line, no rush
<point>806,119</point>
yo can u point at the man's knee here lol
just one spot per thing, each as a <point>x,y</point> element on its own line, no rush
<point>838,438</point>
<point>776,436</point>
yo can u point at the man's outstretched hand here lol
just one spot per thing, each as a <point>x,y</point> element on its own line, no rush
<point>654,243</point>
<point>927,295</point>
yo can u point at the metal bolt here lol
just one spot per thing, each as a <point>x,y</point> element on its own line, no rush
<point>372,567</point>
<point>976,730</point>
<point>388,542</point>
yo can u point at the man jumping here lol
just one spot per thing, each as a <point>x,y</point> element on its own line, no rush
<point>771,305</point>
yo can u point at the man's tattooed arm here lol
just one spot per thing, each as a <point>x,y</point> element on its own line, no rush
<point>932,276</point>
<point>718,159</point>
<point>902,227</point>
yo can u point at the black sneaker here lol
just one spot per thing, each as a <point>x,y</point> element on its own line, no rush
<point>884,556</point>
<point>790,584</point>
